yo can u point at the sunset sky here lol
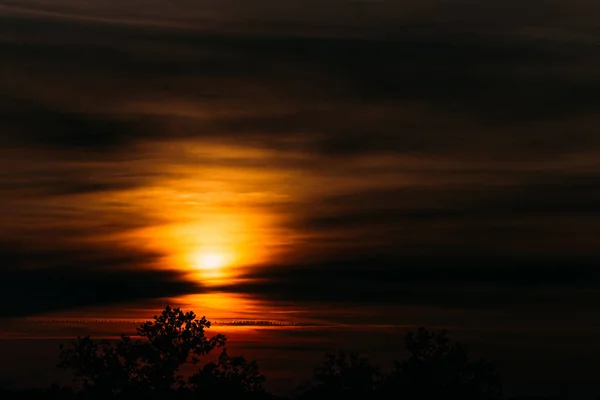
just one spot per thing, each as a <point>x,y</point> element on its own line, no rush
<point>397,163</point>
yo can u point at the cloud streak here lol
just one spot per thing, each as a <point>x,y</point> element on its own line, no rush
<point>34,292</point>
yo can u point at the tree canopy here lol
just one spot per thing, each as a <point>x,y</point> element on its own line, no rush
<point>152,363</point>
<point>436,368</point>
<point>162,360</point>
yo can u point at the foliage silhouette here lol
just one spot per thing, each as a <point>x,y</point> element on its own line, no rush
<point>439,367</point>
<point>344,375</point>
<point>150,367</point>
<point>151,364</point>
<point>229,375</point>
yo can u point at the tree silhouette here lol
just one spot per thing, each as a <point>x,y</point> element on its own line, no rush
<point>343,375</point>
<point>149,364</point>
<point>229,375</point>
<point>436,368</point>
<point>439,368</point>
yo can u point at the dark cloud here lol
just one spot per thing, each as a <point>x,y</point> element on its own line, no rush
<point>35,281</point>
<point>27,292</point>
<point>460,246</point>
<point>63,182</point>
<point>38,125</point>
<point>464,282</point>
<point>497,210</point>
<point>468,87</point>
<point>34,255</point>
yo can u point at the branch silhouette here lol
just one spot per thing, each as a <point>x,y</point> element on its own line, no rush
<point>152,365</point>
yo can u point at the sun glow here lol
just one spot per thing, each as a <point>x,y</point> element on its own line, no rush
<point>206,221</point>
<point>211,261</point>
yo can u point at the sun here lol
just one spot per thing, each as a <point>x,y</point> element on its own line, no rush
<point>211,261</point>
<point>211,264</point>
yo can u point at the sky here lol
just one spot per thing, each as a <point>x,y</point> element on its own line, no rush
<point>332,162</point>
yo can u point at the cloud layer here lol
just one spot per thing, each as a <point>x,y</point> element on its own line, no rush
<point>354,151</point>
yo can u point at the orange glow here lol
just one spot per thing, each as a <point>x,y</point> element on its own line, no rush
<point>233,306</point>
<point>211,264</point>
<point>216,249</point>
<point>211,261</point>
<point>204,220</point>
<point>224,306</point>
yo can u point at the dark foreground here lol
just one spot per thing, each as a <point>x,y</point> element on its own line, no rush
<point>151,367</point>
